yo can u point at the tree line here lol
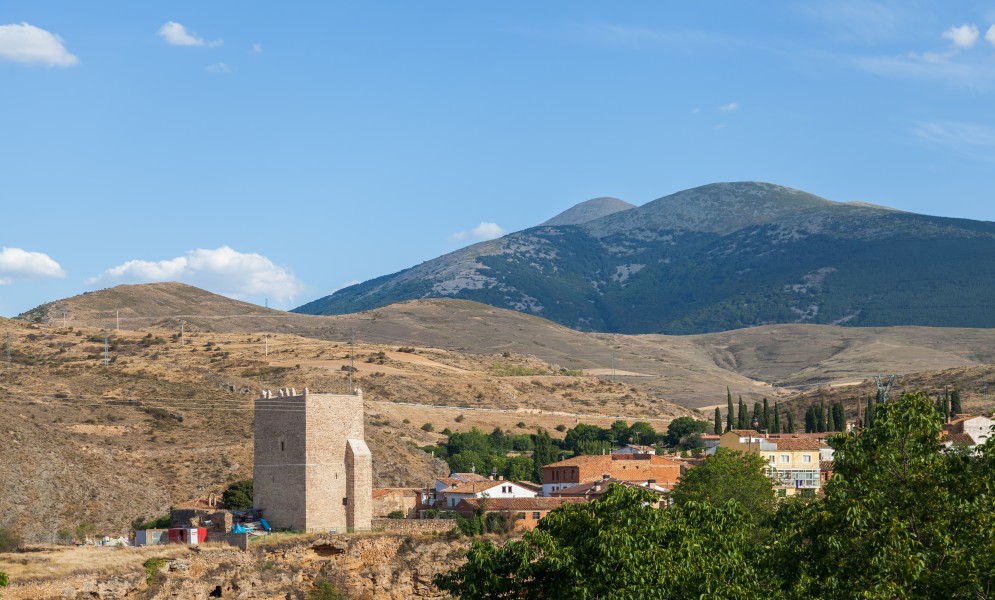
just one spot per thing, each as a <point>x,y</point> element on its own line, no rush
<point>902,517</point>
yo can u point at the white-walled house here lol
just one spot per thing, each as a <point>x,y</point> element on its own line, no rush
<point>484,489</point>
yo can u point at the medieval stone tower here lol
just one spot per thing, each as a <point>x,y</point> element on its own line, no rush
<point>313,470</point>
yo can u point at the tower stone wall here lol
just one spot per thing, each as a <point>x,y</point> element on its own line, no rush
<point>313,470</point>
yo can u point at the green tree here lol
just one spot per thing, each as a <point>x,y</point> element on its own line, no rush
<point>790,427</point>
<point>810,420</point>
<point>682,428</point>
<point>756,419</point>
<point>622,547</point>
<point>777,418</point>
<point>642,432</point>
<point>9,540</point>
<point>238,495</point>
<point>728,475</point>
<point>543,454</point>
<point>717,425</point>
<point>902,516</point>
<point>955,407</point>
<point>765,422</point>
<point>742,417</point>
<point>871,410</point>
<point>729,409</point>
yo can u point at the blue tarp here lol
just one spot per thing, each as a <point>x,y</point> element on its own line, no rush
<point>237,528</point>
<point>265,525</point>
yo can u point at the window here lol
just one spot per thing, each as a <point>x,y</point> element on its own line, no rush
<point>536,516</point>
<point>345,502</point>
<point>785,458</point>
<point>806,458</point>
<point>521,515</point>
<point>282,446</point>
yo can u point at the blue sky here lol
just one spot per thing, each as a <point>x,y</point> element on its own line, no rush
<point>283,150</point>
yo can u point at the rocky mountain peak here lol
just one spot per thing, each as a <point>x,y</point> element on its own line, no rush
<point>589,210</point>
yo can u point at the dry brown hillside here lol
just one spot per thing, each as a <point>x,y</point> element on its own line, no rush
<point>693,371</point>
<point>168,417</point>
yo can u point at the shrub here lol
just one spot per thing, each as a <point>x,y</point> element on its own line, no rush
<point>238,495</point>
<point>428,427</point>
<point>152,567</point>
<point>520,425</point>
<point>459,419</point>
<point>561,427</point>
<point>162,522</point>
<point>9,541</point>
<point>324,590</point>
<point>395,514</point>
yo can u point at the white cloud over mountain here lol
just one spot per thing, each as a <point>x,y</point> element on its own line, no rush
<point>222,270</point>
<point>484,231</point>
<point>16,263</point>
<point>32,45</point>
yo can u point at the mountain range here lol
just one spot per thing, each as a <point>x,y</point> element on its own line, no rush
<point>713,258</point>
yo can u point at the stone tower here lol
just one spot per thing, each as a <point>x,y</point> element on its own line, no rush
<point>313,470</point>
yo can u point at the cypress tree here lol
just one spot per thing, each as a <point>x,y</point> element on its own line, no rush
<point>841,417</point>
<point>777,417</point>
<point>869,413</point>
<point>791,423</point>
<point>717,427</point>
<point>755,419</point>
<point>765,422</point>
<point>742,416</point>
<point>729,409</point>
<point>820,417</point>
<point>810,421</point>
<point>955,408</point>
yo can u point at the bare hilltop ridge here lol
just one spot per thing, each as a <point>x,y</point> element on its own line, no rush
<point>690,370</point>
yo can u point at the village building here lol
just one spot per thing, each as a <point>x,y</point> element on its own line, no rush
<point>794,460</point>
<point>524,513</point>
<point>483,489</point>
<point>595,489</point>
<point>313,470</point>
<point>662,470</point>
<point>967,430</point>
<point>407,501</point>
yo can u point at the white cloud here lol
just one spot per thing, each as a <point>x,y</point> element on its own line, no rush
<point>28,44</point>
<point>957,133</point>
<point>223,270</point>
<point>731,107</point>
<point>964,36</point>
<point>16,263</point>
<point>990,35</point>
<point>256,49</point>
<point>218,68</point>
<point>484,231</point>
<point>176,34</point>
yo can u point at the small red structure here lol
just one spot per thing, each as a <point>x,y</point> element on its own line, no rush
<point>187,535</point>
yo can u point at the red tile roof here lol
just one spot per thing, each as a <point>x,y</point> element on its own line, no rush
<point>519,504</point>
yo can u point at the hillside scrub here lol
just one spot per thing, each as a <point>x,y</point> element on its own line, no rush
<point>902,517</point>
